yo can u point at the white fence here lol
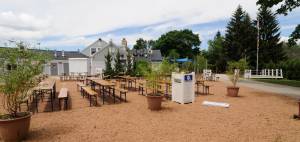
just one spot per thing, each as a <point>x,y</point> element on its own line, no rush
<point>265,73</point>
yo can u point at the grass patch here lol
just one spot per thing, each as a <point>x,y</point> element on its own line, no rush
<point>294,83</point>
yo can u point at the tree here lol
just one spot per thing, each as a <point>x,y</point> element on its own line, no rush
<point>240,37</point>
<point>270,47</point>
<point>129,69</point>
<point>199,63</point>
<point>150,44</point>
<point>108,69</point>
<point>215,55</point>
<point>118,65</point>
<point>18,80</point>
<point>173,55</point>
<point>183,41</point>
<point>285,5</point>
<point>140,44</point>
<point>294,36</point>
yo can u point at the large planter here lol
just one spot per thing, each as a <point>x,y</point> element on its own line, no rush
<point>232,91</point>
<point>154,102</point>
<point>14,130</point>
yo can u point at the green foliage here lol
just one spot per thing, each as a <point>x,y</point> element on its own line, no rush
<point>285,5</point>
<point>142,68</point>
<point>140,44</point>
<point>199,63</point>
<point>183,41</point>
<point>118,65</point>
<point>166,68</point>
<point>270,48</point>
<point>129,69</point>
<point>294,36</point>
<point>173,55</point>
<point>153,74</point>
<point>215,54</point>
<point>292,52</point>
<point>186,67</point>
<point>240,38</point>
<point>290,68</point>
<point>25,65</point>
<point>108,68</point>
<point>241,65</point>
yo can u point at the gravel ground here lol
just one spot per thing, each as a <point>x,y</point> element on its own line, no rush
<point>255,116</point>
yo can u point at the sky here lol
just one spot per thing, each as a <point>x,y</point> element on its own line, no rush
<point>74,24</point>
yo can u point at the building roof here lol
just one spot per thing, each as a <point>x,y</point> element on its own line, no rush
<point>67,55</point>
<point>147,54</point>
<point>156,55</point>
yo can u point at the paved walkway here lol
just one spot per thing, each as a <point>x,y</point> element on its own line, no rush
<point>268,87</point>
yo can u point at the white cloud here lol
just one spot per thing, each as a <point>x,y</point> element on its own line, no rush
<point>22,26</point>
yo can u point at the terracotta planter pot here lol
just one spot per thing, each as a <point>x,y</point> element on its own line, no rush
<point>233,91</point>
<point>154,102</point>
<point>14,130</point>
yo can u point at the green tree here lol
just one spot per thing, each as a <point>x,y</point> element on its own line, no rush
<point>285,5</point>
<point>140,44</point>
<point>108,68</point>
<point>240,37</point>
<point>199,63</point>
<point>215,55</point>
<point>118,64</point>
<point>18,80</point>
<point>241,64</point>
<point>294,36</point>
<point>173,55</point>
<point>270,47</point>
<point>129,69</point>
<point>183,41</point>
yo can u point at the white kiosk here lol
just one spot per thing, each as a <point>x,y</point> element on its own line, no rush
<point>183,87</point>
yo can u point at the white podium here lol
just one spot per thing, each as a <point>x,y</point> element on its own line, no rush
<point>183,90</point>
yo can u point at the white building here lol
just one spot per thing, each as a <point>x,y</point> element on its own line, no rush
<point>99,49</point>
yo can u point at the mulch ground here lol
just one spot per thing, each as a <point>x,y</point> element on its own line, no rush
<point>254,116</point>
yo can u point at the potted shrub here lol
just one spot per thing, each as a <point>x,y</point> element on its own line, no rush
<point>233,91</point>
<point>19,68</point>
<point>153,74</point>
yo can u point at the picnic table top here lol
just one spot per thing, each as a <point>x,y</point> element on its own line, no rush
<point>128,77</point>
<point>103,82</point>
<point>89,90</point>
<point>45,85</point>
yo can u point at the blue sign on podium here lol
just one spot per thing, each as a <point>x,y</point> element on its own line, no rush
<point>188,77</point>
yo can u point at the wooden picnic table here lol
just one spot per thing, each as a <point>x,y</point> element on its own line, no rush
<point>168,85</point>
<point>130,79</point>
<point>102,85</point>
<point>45,86</point>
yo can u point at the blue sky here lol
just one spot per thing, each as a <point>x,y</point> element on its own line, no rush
<point>62,25</point>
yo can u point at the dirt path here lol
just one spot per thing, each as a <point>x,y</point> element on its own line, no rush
<point>268,87</point>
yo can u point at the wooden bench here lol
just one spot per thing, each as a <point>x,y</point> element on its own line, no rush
<point>63,95</point>
<point>87,90</point>
<point>121,92</point>
<point>141,89</point>
<point>80,85</point>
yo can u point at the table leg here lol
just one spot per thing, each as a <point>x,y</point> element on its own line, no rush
<point>103,94</point>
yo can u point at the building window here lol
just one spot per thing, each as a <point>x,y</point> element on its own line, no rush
<point>93,51</point>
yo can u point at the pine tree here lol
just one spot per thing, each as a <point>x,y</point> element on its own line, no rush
<point>108,69</point>
<point>118,64</point>
<point>215,55</point>
<point>129,64</point>
<point>270,48</point>
<point>240,37</point>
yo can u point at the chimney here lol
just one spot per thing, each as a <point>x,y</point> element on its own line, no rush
<point>124,42</point>
<point>100,39</point>
<point>63,53</point>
